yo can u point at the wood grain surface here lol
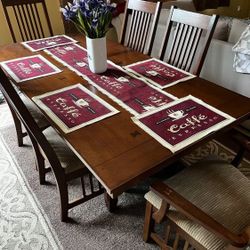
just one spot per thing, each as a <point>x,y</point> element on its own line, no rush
<point>115,150</point>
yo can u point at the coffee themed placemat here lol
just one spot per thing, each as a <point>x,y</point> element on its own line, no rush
<point>182,122</point>
<point>27,68</point>
<point>159,73</point>
<point>73,56</point>
<point>44,43</point>
<point>74,107</point>
<point>128,91</point>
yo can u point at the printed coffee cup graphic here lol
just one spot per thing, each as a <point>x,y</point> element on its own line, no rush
<point>81,64</point>
<point>176,115</point>
<point>51,43</point>
<point>152,72</point>
<point>122,79</point>
<point>81,103</point>
<point>68,48</point>
<point>35,66</point>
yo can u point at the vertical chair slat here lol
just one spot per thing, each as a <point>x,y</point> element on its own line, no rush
<point>145,34</point>
<point>130,36</point>
<point>27,24</point>
<point>142,32</point>
<point>18,23</point>
<point>22,22</point>
<point>181,49</point>
<point>192,44</point>
<point>22,14</point>
<point>35,20</point>
<point>39,21</point>
<point>194,49</point>
<point>138,31</point>
<point>28,9</point>
<point>134,30</point>
<point>83,186</point>
<point>178,44</point>
<point>188,33</point>
<point>99,186</point>
<point>191,37</point>
<point>47,18</point>
<point>91,183</point>
<point>174,45</point>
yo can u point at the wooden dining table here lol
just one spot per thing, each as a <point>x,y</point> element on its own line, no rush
<point>115,150</point>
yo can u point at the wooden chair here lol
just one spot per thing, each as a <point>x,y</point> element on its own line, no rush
<point>187,39</point>
<point>207,205</point>
<point>28,18</point>
<point>143,24</point>
<point>49,145</point>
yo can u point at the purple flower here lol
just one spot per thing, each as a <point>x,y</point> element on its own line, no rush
<point>70,10</point>
<point>92,17</point>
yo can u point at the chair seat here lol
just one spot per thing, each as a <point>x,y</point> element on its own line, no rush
<point>210,185</point>
<point>39,118</point>
<point>69,161</point>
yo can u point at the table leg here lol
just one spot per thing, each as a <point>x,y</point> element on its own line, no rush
<point>110,202</point>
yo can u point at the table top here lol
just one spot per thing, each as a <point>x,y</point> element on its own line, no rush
<point>115,150</point>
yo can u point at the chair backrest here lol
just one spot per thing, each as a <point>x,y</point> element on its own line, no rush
<point>28,16</point>
<point>192,32</point>
<point>143,23</point>
<point>28,121</point>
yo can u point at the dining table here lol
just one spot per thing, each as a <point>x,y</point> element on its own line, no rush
<point>115,150</point>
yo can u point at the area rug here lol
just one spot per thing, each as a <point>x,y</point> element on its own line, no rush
<point>92,226</point>
<point>23,224</point>
<point>215,148</point>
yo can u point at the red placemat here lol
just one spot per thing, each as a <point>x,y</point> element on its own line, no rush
<point>74,107</point>
<point>27,68</point>
<point>182,122</point>
<point>159,73</point>
<point>128,91</point>
<point>72,56</point>
<point>44,43</point>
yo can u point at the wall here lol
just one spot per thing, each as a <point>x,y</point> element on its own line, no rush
<point>54,14</point>
<point>232,10</point>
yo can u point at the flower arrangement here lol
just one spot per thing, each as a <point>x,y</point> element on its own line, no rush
<point>91,17</point>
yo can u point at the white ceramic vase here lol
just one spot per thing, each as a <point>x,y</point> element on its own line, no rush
<point>97,54</point>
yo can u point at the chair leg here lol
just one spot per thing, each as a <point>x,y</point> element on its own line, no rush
<point>64,199</point>
<point>167,233</point>
<point>19,130</point>
<point>176,241</point>
<point>238,158</point>
<point>148,222</point>
<point>41,169</point>
<point>40,161</point>
<point>186,245</point>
